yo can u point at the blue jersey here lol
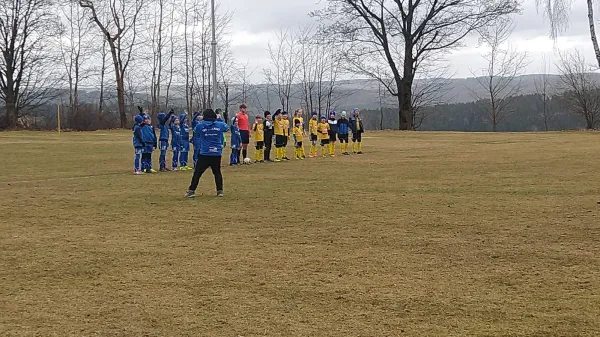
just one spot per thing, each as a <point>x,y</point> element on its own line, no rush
<point>148,136</point>
<point>236,137</point>
<point>343,126</point>
<point>176,141</point>
<point>185,133</point>
<point>163,126</point>
<point>137,136</point>
<point>210,135</point>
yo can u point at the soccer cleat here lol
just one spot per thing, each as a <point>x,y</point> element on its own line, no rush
<point>286,158</point>
<point>190,194</point>
<point>153,171</point>
<point>220,194</point>
<point>175,169</point>
<point>138,172</point>
<point>277,160</point>
<point>359,152</point>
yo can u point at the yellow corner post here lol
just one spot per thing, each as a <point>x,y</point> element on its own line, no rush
<point>58,117</point>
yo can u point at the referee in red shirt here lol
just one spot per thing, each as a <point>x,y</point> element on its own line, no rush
<point>242,119</point>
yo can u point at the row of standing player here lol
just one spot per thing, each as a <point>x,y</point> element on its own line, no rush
<point>325,131</point>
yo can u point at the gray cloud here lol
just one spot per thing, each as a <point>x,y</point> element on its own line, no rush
<point>268,15</point>
<point>255,22</point>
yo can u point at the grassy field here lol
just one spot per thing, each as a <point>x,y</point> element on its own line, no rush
<point>426,234</point>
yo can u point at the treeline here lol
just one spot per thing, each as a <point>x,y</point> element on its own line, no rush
<point>526,113</point>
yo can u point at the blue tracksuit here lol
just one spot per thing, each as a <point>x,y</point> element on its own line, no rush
<point>176,143</point>
<point>149,139</point>
<point>138,145</point>
<point>236,144</point>
<point>185,140</point>
<point>163,126</point>
<point>343,126</point>
<point>211,137</point>
<point>195,140</point>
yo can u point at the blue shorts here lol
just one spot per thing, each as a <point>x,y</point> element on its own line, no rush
<point>148,149</point>
<point>185,147</point>
<point>164,145</point>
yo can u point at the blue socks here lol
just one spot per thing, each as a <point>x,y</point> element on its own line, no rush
<point>163,159</point>
<point>136,162</point>
<point>183,158</point>
<point>175,158</point>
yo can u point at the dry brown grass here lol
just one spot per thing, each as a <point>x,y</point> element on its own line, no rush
<point>427,234</point>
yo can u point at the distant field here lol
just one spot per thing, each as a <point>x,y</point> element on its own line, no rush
<point>426,234</point>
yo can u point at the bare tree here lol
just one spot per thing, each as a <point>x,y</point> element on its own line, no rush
<point>103,66</point>
<point>75,43</point>
<point>26,76</point>
<point>501,79</point>
<point>286,66</point>
<point>402,34</point>
<point>428,91</point>
<point>158,46</point>
<point>582,92</point>
<point>226,71</point>
<point>171,55</point>
<point>117,22</point>
<point>544,92</point>
<point>558,12</point>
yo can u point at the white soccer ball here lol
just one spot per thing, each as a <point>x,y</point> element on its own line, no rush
<point>247,161</point>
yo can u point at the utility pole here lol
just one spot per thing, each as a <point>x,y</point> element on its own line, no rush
<point>214,57</point>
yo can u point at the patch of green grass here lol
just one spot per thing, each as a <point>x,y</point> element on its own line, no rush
<point>426,234</point>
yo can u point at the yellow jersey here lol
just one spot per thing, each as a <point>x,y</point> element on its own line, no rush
<point>323,129</point>
<point>259,134</point>
<point>299,134</point>
<point>286,127</point>
<point>301,119</point>
<point>278,127</point>
<point>312,127</point>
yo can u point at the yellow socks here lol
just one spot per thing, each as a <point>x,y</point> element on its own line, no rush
<point>359,147</point>
<point>353,147</point>
<point>313,150</point>
<point>323,150</point>
<point>302,153</point>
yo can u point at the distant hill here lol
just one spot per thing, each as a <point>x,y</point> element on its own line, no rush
<point>361,93</point>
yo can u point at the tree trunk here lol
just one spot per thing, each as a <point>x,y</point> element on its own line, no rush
<point>12,114</point>
<point>590,6</point>
<point>102,72</point>
<point>405,93</point>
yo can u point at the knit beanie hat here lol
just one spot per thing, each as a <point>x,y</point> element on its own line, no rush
<point>209,114</point>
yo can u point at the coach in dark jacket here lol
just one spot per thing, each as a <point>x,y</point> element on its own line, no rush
<point>269,132</point>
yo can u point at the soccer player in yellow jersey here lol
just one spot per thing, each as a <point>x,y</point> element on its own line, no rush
<point>323,130</point>
<point>259,139</point>
<point>279,135</point>
<point>298,138</point>
<point>286,133</point>
<point>312,129</point>
<point>298,116</point>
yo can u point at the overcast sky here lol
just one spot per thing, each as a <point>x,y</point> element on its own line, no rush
<point>256,22</point>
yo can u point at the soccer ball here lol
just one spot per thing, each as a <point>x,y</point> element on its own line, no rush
<point>247,161</point>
